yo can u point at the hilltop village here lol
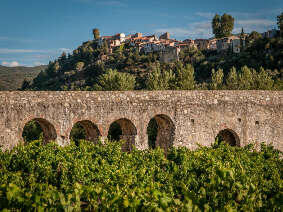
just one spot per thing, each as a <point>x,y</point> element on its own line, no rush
<point>169,48</point>
<point>136,62</point>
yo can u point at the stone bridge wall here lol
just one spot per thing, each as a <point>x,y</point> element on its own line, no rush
<point>185,118</point>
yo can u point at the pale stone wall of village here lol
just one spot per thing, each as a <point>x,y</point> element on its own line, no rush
<point>168,49</point>
<point>185,118</point>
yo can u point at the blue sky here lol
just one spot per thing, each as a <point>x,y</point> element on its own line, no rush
<point>33,32</point>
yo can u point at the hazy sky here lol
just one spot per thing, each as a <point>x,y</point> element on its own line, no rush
<point>33,32</point>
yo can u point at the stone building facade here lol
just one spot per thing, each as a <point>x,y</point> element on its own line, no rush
<point>169,54</point>
<point>184,118</point>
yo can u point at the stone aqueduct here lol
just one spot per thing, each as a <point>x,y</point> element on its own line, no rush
<point>184,118</point>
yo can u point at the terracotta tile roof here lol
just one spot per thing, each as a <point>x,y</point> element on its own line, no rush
<point>106,37</point>
<point>183,44</point>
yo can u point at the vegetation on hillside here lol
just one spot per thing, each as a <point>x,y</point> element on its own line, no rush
<point>280,23</point>
<point>102,177</point>
<point>89,68</point>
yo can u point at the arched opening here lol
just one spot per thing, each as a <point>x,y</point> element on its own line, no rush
<point>161,132</point>
<point>85,130</point>
<point>228,136</point>
<point>39,129</point>
<point>123,129</point>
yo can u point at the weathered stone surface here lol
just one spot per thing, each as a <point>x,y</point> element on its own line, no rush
<point>185,118</point>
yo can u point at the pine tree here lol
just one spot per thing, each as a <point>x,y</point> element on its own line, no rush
<point>216,79</point>
<point>246,79</point>
<point>25,84</point>
<point>160,80</point>
<point>242,39</point>
<point>232,80</point>
<point>186,78</point>
<point>264,80</point>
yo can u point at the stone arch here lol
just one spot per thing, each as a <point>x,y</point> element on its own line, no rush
<point>165,131</point>
<point>229,136</point>
<point>92,132</point>
<point>49,132</point>
<point>128,132</point>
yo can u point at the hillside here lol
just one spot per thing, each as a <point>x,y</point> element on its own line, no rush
<point>83,69</point>
<point>11,78</point>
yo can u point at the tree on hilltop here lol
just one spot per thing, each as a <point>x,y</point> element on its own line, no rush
<point>253,36</point>
<point>96,33</point>
<point>280,24</point>
<point>216,26</point>
<point>222,26</point>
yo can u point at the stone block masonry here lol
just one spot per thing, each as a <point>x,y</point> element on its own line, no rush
<point>184,118</point>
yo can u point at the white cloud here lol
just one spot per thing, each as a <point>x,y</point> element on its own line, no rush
<point>66,50</point>
<point>259,25</point>
<point>262,22</point>
<point>175,31</point>
<point>7,51</point>
<point>107,3</point>
<point>10,64</point>
<point>194,30</point>
<point>205,14</point>
<point>111,3</point>
<point>38,64</point>
<point>3,38</point>
<point>255,21</point>
<point>257,14</point>
<point>50,51</point>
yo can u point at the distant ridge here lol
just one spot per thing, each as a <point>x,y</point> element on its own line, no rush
<point>11,78</point>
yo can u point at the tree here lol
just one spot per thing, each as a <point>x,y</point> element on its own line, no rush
<point>79,66</point>
<point>63,57</point>
<point>280,23</point>
<point>246,80</point>
<point>113,80</point>
<point>253,36</point>
<point>186,77</point>
<point>25,84</point>
<point>227,25</point>
<point>264,80</point>
<point>222,26</point>
<point>53,68</point>
<point>232,80</point>
<point>216,26</point>
<point>160,80</point>
<point>105,47</point>
<point>96,33</point>
<point>216,79</point>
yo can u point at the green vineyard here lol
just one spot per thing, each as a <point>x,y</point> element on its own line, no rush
<point>101,177</point>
